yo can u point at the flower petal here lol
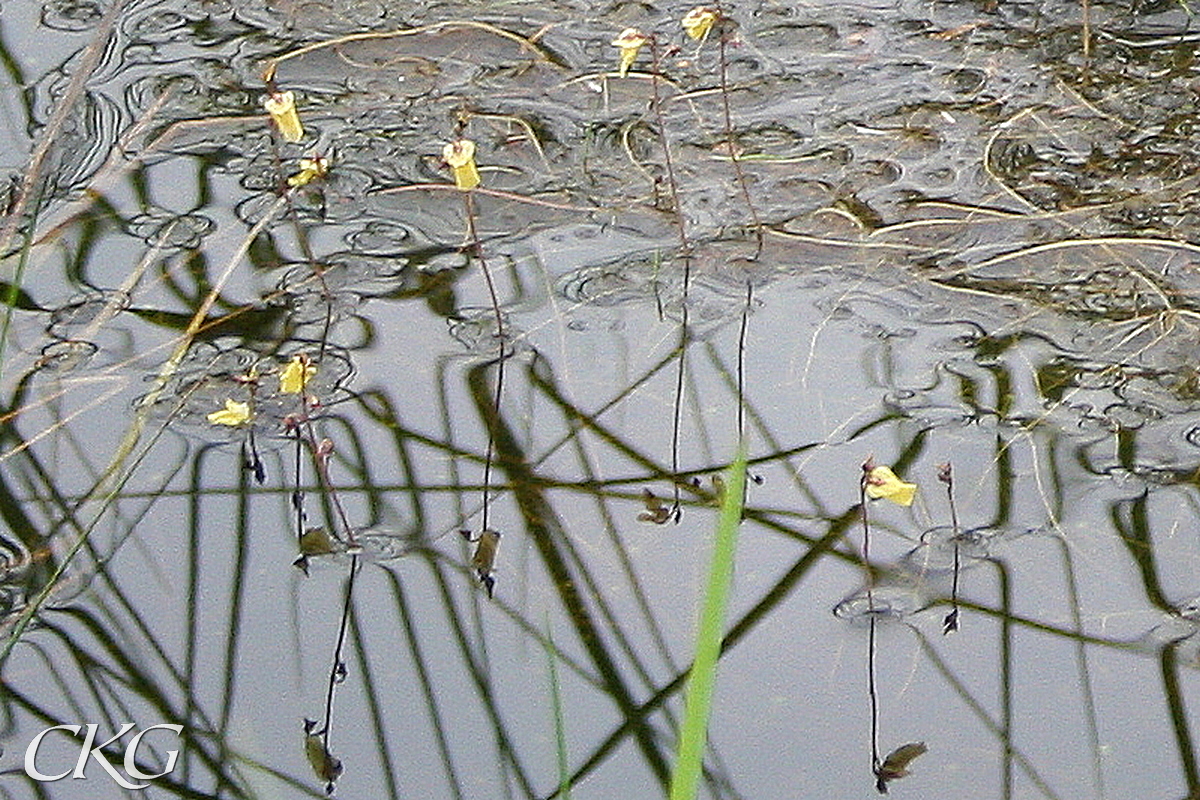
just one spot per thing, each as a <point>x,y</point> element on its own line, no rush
<point>630,41</point>
<point>699,21</point>
<point>282,108</point>
<point>882,482</point>
<point>296,375</point>
<point>233,414</point>
<point>460,155</point>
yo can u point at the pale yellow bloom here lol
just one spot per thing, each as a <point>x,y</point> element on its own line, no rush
<point>699,21</point>
<point>882,482</point>
<point>460,155</point>
<point>282,108</point>
<point>310,170</point>
<point>630,41</point>
<point>296,375</point>
<point>233,414</point>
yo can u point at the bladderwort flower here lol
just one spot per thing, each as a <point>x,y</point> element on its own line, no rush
<point>460,155</point>
<point>881,482</point>
<point>699,21</point>
<point>310,170</point>
<point>233,414</point>
<point>294,378</point>
<point>282,108</point>
<point>630,41</point>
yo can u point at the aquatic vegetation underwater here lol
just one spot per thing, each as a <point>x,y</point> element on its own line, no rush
<point>374,381</point>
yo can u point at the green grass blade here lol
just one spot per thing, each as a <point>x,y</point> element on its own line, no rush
<point>693,734</point>
<point>560,737</point>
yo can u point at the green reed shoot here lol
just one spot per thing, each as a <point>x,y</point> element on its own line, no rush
<point>693,733</point>
<point>560,738</point>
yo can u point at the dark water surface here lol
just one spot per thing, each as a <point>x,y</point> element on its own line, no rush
<point>969,240</point>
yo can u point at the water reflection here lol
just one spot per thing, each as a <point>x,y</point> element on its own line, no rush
<point>966,241</point>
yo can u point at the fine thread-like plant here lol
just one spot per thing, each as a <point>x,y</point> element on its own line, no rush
<point>946,476</point>
<point>685,251</point>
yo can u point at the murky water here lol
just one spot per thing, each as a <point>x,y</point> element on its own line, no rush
<point>250,426</point>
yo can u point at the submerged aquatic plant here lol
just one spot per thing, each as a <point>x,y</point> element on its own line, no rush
<point>325,765</point>
<point>483,560</point>
<point>655,511</point>
<point>946,476</point>
<point>895,766</point>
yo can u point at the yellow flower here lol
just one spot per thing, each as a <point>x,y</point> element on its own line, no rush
<point>233,414</point>
<point>882,482</point>
<point>460,155</point>
<point>699,21</point>
<point>282,108</point>
<point>310,170</point>
<point>296,375</point>
<point>630,41</point>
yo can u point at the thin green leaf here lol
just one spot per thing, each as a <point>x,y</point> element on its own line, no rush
<point>693,735</point>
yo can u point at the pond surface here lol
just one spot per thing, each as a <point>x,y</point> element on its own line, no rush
<point>263,413</point>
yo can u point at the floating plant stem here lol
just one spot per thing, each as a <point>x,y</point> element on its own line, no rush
<point>741,382</point>
<point>879,482</point>
<point>868,468</point>
<point>946,476</point>
<point>491,287</point>
<point>297,496</point>
<point>328,768</point>
<point>677,406</point>
<point>250,458</point>
<point>724,23</point>
<point>311,169</point>
<point>741,364</point>
<point>685,251</point>
<point>1087,29</point>
<point>460,156</point>
<point>321,454</point>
